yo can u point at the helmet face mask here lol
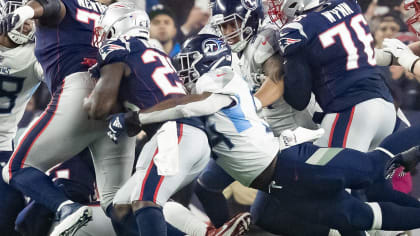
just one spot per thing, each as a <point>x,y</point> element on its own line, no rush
<point>241,16</point>
<point>413,22</point>
<point>121,19</point>
<point>185,65</point>
<point>200,55</point>
<point>22,35</point>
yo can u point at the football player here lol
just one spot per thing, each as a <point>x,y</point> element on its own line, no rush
<point>252,39</point>
<point>64,44</point>
<point>178,150</point>
<point>336,61</point>
<point>20,76</point>
<point>249,152</point>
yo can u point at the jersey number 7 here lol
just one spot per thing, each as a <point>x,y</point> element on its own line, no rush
<point>341,30</point>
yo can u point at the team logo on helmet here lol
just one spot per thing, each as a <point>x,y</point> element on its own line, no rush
<point>250,4</point>
<point>212,45</point>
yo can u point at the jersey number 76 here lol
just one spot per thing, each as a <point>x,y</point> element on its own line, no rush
<point>343,31</point>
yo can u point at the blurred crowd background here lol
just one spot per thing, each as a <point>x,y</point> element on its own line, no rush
<point>173,21</point>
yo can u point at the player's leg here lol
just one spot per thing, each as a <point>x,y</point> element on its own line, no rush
<point>335,168</point>
<point>62,131</point>
<point>148,191</point>
<point>209,189</point>
<point>269,213</point>
<point>360,127</point>
<point>12,202</point>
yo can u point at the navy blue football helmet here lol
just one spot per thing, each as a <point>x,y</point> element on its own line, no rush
<point>199,55</point>
<point>243,16</point>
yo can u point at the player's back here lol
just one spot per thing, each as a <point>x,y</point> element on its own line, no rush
<point>152,78</point>
<point>241,141</point>
<point>61,49</point>
<point>338,47</point>
<point>20,75</point>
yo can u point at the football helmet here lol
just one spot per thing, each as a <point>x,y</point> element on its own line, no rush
<point>243,15</point>
<point>413,22</point>
<point>17,35</point>
<point>199,55</point>
<point>281,11</point>
<point>121,18</point>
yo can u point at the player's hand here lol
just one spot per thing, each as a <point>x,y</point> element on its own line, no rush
<point>16,19</point>
<point>392,166</point>
<point>402,52</point>
<point>116,126</point>
<point>123,122</point>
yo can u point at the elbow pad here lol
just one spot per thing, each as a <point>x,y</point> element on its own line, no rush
<point>52,10</point>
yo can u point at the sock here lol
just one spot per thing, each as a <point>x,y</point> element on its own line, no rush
<point>214,204</point>
<point>150,221</point>
<point>172,231</point>
<point>35,184</point>
<point>12,202</point>
<point>126,226</point>
<point>395,217</point>
<point>183,219</point>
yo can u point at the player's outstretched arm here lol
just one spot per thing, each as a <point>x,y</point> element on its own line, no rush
<point>103,99</point>
<point>405,57</point>
<point>187,106</point>
<point>273,87</point>
<point>50,12</point>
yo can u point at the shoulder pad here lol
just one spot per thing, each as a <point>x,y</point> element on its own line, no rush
<point>265,44</point>
<point>215,81</point>
<point>113,51</point>
<point>293,36</point>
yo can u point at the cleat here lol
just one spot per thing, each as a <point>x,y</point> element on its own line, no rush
<point>237,226</point>
<point>407,159</point>
<point>72,217</point>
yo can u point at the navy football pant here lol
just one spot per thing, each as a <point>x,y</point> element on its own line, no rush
<point>11,202</point>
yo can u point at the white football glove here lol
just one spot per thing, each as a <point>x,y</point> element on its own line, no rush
<point>383,58</point>
<point>402,52</point>
<point>16,19</point>
<point>300,135</point>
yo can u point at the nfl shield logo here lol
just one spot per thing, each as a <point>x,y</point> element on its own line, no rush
<point>250,4</point>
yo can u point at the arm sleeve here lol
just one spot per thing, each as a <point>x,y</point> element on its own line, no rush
<point>208,106</point>
<point>297,81</point>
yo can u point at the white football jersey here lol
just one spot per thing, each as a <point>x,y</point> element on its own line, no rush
<point>280,115</point>
<point>20,76</point>
<point>241,141</point>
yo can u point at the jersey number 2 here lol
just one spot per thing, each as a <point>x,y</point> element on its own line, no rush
<point>160,73</point>
<point>341,30</point>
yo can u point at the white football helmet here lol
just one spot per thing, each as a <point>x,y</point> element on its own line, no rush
<point>280,11</point>
<point>121,19</point>
<point>17,35</point>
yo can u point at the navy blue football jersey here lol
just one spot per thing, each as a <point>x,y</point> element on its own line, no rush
<point>62,49</point>
<point>153,78</point>
<point>338,47</point>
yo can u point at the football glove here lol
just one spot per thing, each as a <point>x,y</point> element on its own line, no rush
<point>16,19</point>
<point>402,52</point>
<point>116,126</point>
<point>408,159</point>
